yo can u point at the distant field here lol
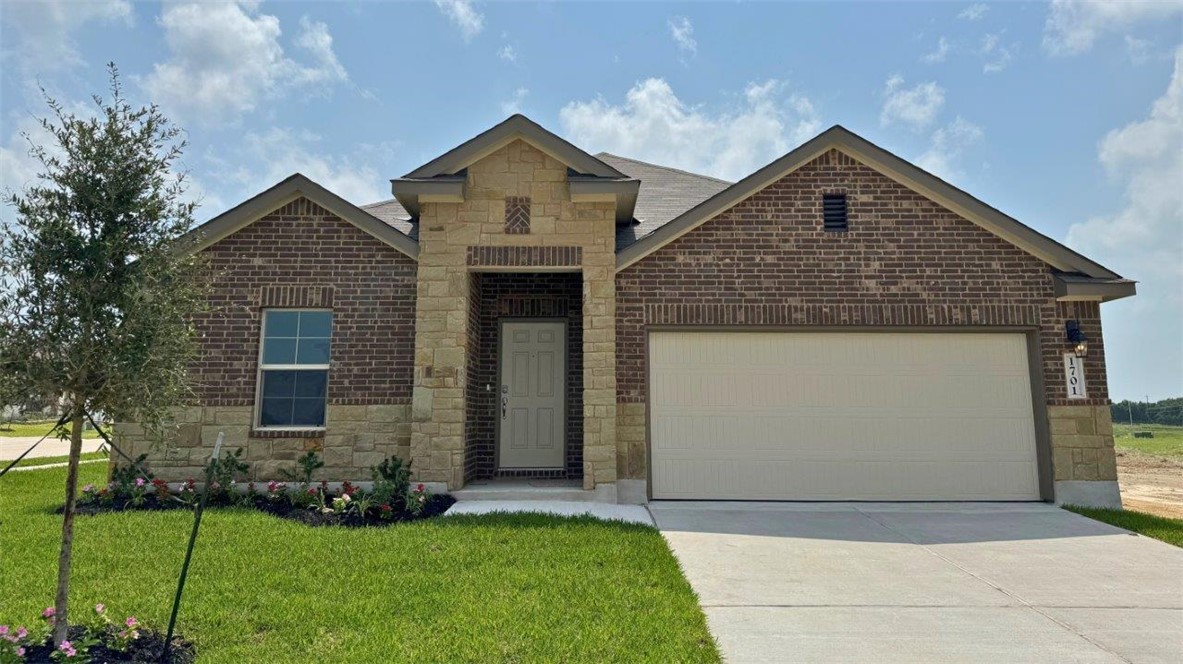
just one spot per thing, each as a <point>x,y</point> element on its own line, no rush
<point>1167,441</point>
<point>22,429</point>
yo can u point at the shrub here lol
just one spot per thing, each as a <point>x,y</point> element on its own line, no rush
<point>392,482</point>
<point>223,471</point>
<point>308,464</point>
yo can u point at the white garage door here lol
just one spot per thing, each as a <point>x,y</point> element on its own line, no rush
<point>841,416</point>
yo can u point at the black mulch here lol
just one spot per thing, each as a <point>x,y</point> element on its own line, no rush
<point>147,648</point>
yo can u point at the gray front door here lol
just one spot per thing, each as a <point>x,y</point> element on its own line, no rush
<point>533,372</point>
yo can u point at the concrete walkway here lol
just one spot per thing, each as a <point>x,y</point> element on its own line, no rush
<point>606,511</point>
<point>863,582</point>
<point>11,448</point>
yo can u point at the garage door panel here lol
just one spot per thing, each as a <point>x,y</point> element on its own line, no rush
<point>854,416</point>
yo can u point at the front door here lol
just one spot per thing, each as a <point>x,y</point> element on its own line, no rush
<point>533,371</point>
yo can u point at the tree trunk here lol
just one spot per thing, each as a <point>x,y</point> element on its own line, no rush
<point>61,600</point>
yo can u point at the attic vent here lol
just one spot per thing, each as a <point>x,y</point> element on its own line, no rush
<point>834,212</point>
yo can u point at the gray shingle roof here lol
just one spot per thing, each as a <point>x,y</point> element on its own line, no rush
<point>665,194</point>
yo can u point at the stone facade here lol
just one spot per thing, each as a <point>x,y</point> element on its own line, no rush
<point>298,256</point>
<point>905,261</point>
<point>456,239</point>
<point>1082,443</point>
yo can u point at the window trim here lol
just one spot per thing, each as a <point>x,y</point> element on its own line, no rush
<point>256,420</point>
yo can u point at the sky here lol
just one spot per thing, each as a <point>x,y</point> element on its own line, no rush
<point>1067,116</point>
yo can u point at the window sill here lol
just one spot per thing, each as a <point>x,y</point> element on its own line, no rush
<point>286,433</point>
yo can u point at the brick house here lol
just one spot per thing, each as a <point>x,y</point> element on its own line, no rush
<point>839,325</point>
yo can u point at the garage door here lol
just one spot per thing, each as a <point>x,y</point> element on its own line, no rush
<point>841,416</point>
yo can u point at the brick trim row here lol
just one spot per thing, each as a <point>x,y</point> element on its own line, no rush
<point>300,433</point>
<point>841,314</point>
<point>486,256</point>
<point>296,296</point>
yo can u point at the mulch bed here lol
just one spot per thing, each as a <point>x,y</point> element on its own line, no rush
<point>147,648</point>
<point>436,506</point>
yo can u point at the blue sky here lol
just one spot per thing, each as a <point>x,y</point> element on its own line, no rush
<point>1066,115</point>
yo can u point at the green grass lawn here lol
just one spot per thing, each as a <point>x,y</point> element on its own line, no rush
<point>45,461</point>
<point>511,588</point>
<point>22,429</point>
<point>1167,441</point>
<point>1158,527</point>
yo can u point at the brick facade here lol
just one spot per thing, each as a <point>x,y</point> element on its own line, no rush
<point>905,261</point>
<point>301,255</point>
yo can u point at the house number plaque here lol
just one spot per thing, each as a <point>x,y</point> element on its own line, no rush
<point>1074,377</point>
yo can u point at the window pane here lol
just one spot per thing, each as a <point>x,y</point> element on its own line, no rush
<point>281,323</point>
<point>279,384</point>
<point>276,412</point>
<point>312,351</point>
<point>309,412</point>
<point>310,384</point>
<point>279,351</point>
<point>316,323</point>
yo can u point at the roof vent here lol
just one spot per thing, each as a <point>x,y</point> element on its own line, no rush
<point>834,212</point>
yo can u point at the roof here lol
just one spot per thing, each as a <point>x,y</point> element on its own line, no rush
<point>285,191</point>
<point>393,215</point>
<point>837,137</point>
<point>665,193</point>
<point>514,127</point>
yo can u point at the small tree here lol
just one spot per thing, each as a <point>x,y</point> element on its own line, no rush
<point>96,294</point>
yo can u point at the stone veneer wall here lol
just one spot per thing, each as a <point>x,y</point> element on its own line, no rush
<point>299,255</point>
<point>905,261</point>
<point>458,238</point>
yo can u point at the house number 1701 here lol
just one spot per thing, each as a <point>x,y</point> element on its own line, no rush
<point>1074,377</point>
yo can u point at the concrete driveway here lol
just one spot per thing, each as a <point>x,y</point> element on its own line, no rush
<point>876,582</point>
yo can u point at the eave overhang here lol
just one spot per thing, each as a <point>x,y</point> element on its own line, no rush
<point>1083,288</point>
<point>622,191</point>
<point>410,192</point>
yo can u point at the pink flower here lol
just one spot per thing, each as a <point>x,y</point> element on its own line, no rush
<point>67,648</point>
<point>140,481</point>
<point>22,632</point>
<point>89,488</point>
<point>20,652</point>
<point>3,630</point>
<point>130,622</point>
<point>48,612</point>
<point>420,488</point>
<point>99,608</point>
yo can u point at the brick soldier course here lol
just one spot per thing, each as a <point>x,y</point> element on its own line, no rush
<point>520,224</point>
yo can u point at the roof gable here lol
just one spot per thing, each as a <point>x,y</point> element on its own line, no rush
<point>289,189</point>
<point>891,166</point>
<point>514,128</point>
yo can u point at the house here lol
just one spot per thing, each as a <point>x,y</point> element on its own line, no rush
<point>838,325</point>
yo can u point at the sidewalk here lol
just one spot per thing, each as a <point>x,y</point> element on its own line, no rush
<point>11,448</point>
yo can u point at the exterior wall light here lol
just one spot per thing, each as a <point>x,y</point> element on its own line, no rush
<point>1076,337</point>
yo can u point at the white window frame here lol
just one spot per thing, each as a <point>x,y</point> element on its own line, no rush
<point>260,368</point>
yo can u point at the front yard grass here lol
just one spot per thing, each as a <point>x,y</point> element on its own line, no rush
<point>1158,527</point>
<point>1167,441</point>
<point>45,461</point>
<point>27,429</point>
<point>476,588</point>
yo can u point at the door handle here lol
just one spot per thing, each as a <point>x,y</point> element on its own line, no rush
<point>504,406</point>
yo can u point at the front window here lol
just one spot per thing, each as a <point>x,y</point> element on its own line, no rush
<point>294,368</point>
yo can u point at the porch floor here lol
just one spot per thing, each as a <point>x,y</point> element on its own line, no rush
<point>518,489</point>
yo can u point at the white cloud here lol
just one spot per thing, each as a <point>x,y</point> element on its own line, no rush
<point>1138,50</point>
<point>262,159</point>
<point>461,13</point>
<point>1073,26</point>
<point>949,143</point>
<point>226,58</point>
<point>998,55</point>
<point>1144,241</point>
<point>915,107</point>
<point>39,35</point>
<point>940,54</point>
<point>683,33</point>
<point>507,53</point>
<point>514,104</point>
<point>974,12</point>
<point>653,124</point>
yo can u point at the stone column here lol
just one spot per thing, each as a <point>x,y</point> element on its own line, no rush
<point>599,369</point>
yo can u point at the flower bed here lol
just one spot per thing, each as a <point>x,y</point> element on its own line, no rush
<point>97,639</point>
<point>391,499</point>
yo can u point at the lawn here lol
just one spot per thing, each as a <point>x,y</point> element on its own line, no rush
<point>45,461</point>
<point>1167,441</point>
<point>22,429</point>
<point>1158,527</point>
<point>481,588</point>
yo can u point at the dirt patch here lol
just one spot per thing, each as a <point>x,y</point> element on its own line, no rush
<point>1150,483</point>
